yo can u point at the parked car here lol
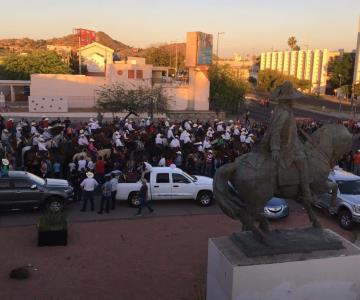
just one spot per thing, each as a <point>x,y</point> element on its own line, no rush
<point>23,190</point>
<point>166,183</point>
<point>348,198</point>
<point>276,208</point>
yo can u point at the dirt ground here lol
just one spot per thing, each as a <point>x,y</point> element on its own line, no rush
<point>155,258</point>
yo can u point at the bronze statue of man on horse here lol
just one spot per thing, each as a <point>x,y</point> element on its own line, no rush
<point>282,165</point>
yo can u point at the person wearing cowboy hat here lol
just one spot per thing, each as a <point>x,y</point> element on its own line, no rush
<point>178,159</point>
<point>282,141</point>
<point>33,129</point>
<point>88,185</point>
<point>4,167</point>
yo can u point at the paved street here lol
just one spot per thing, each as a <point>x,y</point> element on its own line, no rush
<point>123,211</point>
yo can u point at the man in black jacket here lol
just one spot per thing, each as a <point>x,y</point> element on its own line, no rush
<point>143,197</point>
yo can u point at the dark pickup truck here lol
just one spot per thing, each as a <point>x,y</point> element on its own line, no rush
<point>23,190</point>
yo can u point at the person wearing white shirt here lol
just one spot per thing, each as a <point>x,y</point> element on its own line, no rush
<point>209,133</point>
<point>170,134</point>
<point>41,145</point>
<point>187,138</point>
<point>72,166</point>
<point>130,127</point>
<point>18,133</point>
<point>187,126</point>
<point>227,136</point>
<point>162,162</point>
<point>47,135</point>
<point>118,143</point>
<point>90,165</point>
<point>82,163</point>
<point>175,143</point>
<point>242,138</point>
<point>183,135</point>
<point>114,181</point>
<point>206,144</point>
<point>148,121</point>
<point>158,139</point>
<point>33,129</point>
<point>35,139</point>
<point>89,185</point>
<point>236,131</point>
<point>83,141</point>
<point>220,127</point>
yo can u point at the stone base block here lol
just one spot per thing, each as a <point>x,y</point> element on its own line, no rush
<point>324,274</point>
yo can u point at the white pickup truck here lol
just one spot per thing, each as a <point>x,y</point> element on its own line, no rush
<point>167,183</point>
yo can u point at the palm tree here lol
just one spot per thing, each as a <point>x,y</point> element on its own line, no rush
<point>292,43</point>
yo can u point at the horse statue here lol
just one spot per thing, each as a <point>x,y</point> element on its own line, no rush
<point>255,178</point>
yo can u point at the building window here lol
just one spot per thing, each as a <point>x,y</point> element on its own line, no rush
<point>131,74</point>
<point>139,74</point>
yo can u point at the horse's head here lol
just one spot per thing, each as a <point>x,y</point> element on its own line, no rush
<point>333,139</point>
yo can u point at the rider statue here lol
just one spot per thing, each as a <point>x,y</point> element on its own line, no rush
<point>282,141</point>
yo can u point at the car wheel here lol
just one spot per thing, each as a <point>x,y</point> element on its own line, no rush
<point>134,199</point>
<point>345,219</point>
<point>204,198</point>
<point>55,205</point>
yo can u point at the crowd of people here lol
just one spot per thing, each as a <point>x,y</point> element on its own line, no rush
<point>119,150</point>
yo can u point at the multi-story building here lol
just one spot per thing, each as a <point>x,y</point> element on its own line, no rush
<point>309,65</point>
<point>241,67</point>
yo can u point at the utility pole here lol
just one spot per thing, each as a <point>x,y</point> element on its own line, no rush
<point>176,56</point>
<point>217,46</point>
<point>339,93</point>
<point>176,61</point>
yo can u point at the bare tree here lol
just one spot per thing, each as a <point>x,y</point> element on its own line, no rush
<point>133,100</point>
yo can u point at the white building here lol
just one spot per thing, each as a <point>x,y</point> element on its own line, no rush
<point>96,56</point>
<point>61,92</point>
<point>308,65</point>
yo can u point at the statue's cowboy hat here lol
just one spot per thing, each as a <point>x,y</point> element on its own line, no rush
<point>286,91</point>
<point>89,174</point>
<point>5,162</point>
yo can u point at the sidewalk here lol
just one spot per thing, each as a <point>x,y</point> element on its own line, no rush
<point>144,258</point>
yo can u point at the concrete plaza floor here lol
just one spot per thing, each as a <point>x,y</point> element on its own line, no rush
<point>152,258</point>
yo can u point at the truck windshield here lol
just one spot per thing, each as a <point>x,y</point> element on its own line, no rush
<point>36,179</point>
<point>349,187</point>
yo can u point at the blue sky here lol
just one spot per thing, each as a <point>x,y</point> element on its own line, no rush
<point>251,25</point>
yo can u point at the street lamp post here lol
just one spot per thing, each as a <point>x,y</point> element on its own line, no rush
<point>217,46</point>
<point>340,92</point>
<point>176,56</point>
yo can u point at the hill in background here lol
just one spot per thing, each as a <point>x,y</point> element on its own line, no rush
<point>27,45</point>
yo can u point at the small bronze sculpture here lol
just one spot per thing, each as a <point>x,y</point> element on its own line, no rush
<point>281,166</point>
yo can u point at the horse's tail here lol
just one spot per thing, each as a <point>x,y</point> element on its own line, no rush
<point>229,203</point>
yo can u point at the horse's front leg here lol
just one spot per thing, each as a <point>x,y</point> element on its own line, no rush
<point>307,199</point>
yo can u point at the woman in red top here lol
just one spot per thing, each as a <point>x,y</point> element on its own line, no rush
<point>100,168</point>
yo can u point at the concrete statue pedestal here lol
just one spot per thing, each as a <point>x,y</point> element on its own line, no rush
<point>327,269</point>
